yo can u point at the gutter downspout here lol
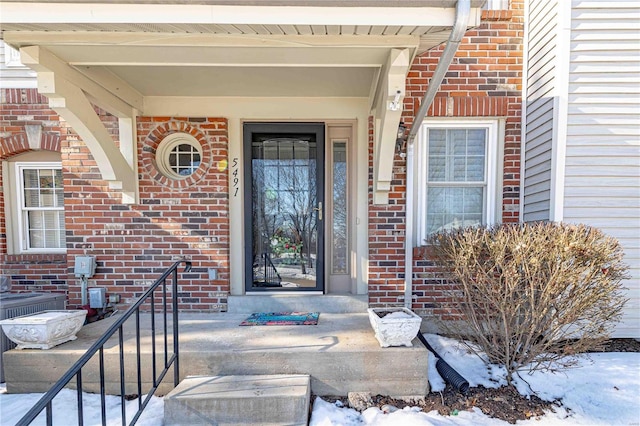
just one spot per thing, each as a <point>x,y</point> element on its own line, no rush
<point>463,10</point>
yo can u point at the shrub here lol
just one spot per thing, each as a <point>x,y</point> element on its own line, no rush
<point>531,294</point>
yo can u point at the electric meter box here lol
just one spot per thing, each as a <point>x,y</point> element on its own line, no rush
<point>85,266</point>
<point>97,297</point>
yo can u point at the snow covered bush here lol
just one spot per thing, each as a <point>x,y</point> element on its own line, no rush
<point>531,294</point>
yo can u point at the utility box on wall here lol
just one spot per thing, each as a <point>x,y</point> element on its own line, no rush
<point>85,266</point>
<point>97,297</point>
<point>5,283</point>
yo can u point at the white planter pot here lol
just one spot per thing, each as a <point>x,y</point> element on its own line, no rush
<point>43,330</point>
<point>394,329</point>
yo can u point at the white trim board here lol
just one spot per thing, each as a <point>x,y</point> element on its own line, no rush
<point>69,13</point>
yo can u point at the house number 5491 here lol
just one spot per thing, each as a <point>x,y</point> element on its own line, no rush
<point>235,181</point>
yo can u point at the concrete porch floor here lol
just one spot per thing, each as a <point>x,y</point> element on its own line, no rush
<point>340,354</point>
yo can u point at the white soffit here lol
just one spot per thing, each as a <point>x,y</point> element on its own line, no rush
<point>248,81</point>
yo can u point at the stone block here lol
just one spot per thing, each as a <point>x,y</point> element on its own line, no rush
<point>239,400</point>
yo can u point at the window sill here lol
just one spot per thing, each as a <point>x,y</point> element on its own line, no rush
<point>33,258</point>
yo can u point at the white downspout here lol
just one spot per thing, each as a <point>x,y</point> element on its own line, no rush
<point>463,10</point>
<point>408,237</point>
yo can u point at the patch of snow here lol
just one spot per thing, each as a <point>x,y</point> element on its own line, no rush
<point>604,389</point>
<point>328,414</point>
<point>412,416</point>
<point>398,315</point>
<point>14,406</point>
<point>472,368</point>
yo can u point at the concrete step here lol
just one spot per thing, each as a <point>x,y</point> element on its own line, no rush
<point>239,400</point>
<point>341,354</point>
<point>328,303</point>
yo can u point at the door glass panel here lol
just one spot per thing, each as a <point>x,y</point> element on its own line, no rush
<point>339,263</point>
<point>284,211</point>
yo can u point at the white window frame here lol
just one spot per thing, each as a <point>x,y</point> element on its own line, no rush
<point>12,57</point>
<point>492,201</point>
<point>329,186</point>
<point>496,5</point>
<point>166,147</point>
<point>15,214</point>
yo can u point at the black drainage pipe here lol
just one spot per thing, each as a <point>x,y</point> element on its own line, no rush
<point>447,372</point>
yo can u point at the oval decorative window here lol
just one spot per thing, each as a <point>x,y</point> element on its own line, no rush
<point>179,155</point>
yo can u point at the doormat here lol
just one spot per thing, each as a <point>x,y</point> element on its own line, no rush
<point>282,318</point>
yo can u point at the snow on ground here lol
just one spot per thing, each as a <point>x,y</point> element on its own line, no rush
<point>14,406</point>
<point>603,390</point>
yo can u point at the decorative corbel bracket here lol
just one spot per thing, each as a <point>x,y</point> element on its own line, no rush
<point>67,91</point>
<point>388,106</point>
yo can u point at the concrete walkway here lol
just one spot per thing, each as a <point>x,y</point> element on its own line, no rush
<point>340,354</point>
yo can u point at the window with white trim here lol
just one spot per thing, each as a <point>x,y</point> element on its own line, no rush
<point>179,155</point>
<point>40,205</point>
<point>11,57</point>
<point>496,5</point>
<point>458,173</point>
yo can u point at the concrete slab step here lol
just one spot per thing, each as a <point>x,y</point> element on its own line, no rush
<point>340,354</point>
<point>239,400</point>
<point>328,303</point>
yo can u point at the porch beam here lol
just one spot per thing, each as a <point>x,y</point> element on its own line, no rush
<point>388,111</point>
<point>97,38</point>
<point>118,103</point>
<point>74,107</point>
<point>91,56</point>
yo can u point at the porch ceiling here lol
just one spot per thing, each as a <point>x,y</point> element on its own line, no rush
<point>281,71</point>
<point>230,47</point>
<point>233,81</point>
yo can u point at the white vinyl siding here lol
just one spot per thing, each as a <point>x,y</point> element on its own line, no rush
<point>14,75</point>
<point>602,167</point>
<point>537,157</point>
<point>541,107</point>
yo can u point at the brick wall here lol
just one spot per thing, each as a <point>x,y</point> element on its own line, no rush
<point>386,237</point>
<point>133,244</point>
<point>20,108</point>
<point>175,219</point>
<point>484,80</point>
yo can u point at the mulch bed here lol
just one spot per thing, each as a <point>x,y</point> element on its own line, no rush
<point>504,403</point>
<point>621,345</point>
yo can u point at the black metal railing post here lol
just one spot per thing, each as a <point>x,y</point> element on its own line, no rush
<point>174,308</point>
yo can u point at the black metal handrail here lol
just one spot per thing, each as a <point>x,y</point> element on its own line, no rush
<point>98,347</point>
